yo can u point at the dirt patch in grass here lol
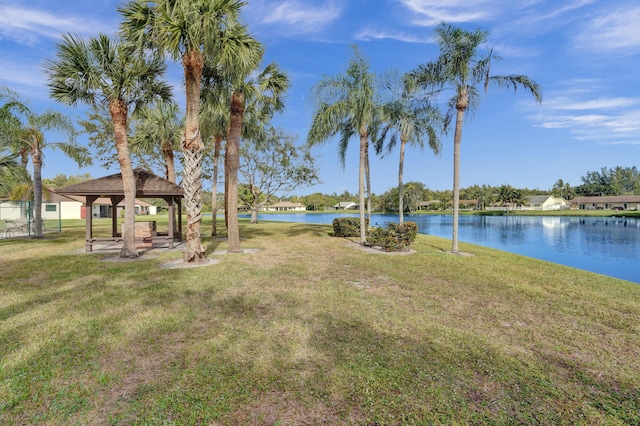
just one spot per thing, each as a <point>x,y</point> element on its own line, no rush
<point>180,264</point>
<point>276,407</point>
<point>128,370</point>
<point>379,250</point>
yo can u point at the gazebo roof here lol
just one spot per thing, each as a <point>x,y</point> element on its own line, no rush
<point>148,185</point>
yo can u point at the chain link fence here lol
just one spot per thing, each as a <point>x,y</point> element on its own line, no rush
<point>17,218</point>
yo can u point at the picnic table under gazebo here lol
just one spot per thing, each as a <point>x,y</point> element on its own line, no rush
<point>148,185</point>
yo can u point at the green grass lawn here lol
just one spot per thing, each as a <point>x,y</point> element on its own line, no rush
<point>312,330</point>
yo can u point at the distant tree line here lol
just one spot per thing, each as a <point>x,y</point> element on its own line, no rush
<point>606,182</point>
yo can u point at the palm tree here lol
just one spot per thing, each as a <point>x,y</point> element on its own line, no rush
<point>29,142</point>
<point>214,125</point>
<point>105,71</point>
<point>189,31</point>
<point>409,120</point>
<point>159,127</point>
<point>261,95</point>
<point>345,104</point>
<point>461,68</point>
<point>506,196</point>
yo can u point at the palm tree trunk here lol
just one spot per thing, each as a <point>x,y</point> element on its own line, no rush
<point>232,164</point>
<point>361,207</point>
<point>36,159</point>
<point>403,143</point>
<point>456,177</point>
<point>169,162</point>
<point>193,149</point>
<point>214,184</point>
<point>368,177</point>
<point>119,113</point>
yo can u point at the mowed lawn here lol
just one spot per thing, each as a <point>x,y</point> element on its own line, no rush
<point>309,329</point>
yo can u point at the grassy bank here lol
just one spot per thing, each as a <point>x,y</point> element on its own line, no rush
<point>312,330</point>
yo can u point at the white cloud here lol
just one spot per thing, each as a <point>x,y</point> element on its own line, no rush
<point>26,26</point>
<point>564,103</point>
<point>432,12</point>
<point>370,34</point>
<point>595,119</point>
<point>297,16</point>
<point>613,30</point>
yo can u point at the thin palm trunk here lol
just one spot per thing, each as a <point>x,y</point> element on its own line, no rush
<point>169,162</point>
<point>367,171</point>
<point>36,159</point>
<point>214,184</point>
<point>193,149</point>
<point>456,177</point>
<point>232,164</point>
<point>361,178</point>
<point>403,143</point>
<point>119,113</point>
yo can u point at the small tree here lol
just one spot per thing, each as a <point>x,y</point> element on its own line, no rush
<point>272,166</point>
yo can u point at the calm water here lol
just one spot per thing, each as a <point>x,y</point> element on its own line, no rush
<point>609,246</point>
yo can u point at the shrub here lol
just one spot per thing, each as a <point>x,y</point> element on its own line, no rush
<point>394,237</point>
<point>347,226</point>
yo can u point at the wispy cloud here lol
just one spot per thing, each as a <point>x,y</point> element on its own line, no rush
<point>601,120</point>
<point>564,103</point>
<point>432,12</point>
<point>27,26</point>
<point>296,16</point>
<point>368,34</point>
<point>612,30</point>
<point>24,73</point>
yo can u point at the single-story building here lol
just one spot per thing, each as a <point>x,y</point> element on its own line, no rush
<point>345,205</point>
<point>286,206</point>
<point>611,202</point>
<point>544,202</point>
<point>73,207</point>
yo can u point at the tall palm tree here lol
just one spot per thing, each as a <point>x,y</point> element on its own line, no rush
<point>214,125</point>
<point>461,68</point>
<point>261,95</point>
<point>109,71</point>
<point>159,127</point>
<point>189,31</point>
<point>410,120</point>
<point>345,104</point>
<point>29,142</point>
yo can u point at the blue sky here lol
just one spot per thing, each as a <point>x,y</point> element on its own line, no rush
<point>585,54</point>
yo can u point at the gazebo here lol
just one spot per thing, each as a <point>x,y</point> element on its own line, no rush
<point>148,185</point>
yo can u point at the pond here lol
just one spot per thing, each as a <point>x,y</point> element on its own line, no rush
<point>605,245</point>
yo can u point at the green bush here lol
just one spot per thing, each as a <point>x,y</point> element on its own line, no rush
<point>347,226</point>
<point>394,237</point>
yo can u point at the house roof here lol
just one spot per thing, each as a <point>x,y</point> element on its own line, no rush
<point>147,185</point>
<point>345,204</point>
<point>607,199</point>
<point>54,197</point>
<point>538,199</point>
<point>287,204</point>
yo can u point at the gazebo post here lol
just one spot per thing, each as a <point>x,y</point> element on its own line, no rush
<point>179,217</point>
<point>172,219</point>
<point>88,215</point>
<point>115,200</point>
